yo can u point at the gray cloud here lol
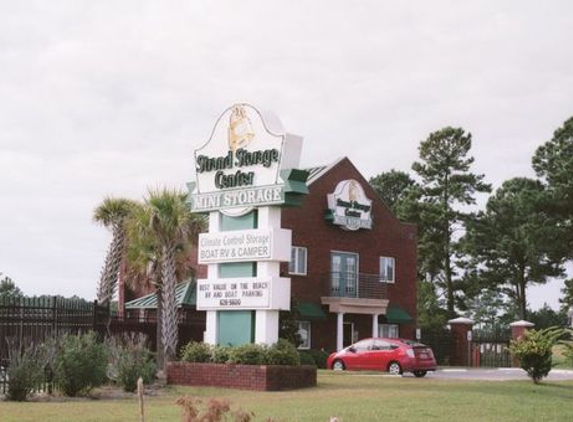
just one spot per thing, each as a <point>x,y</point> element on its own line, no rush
<point>108,98</point>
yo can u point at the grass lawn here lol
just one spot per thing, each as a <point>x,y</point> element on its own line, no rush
<point>350,396</point>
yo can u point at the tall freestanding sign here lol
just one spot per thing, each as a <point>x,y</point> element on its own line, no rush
<point>245,173</point>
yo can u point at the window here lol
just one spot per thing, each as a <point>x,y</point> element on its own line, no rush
<point>387,269</point>
<point>304,333</point>
<point>363,345</point>
<point>297,264</point>
<point>382,345</point>
<point>389,330</point>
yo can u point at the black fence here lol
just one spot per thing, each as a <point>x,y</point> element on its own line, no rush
<point>490,348</point>
<point>26,321</point>
<point>440,340</point>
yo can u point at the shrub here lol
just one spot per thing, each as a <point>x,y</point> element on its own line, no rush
<point>306,359</point>
<point>25,372</point>
<point>320,357</point>
<point>314,357</point>
<point>196,352</point>
<point>129,360</point>
<point>568,348</point>
<point>248,354</point>
<point>220,354</point>
<point>79,364</point>
<point>534,351</point>
<point>282,353</point>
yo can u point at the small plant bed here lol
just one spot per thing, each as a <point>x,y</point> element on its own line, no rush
<point>248,367</point>
<point>103,393</point>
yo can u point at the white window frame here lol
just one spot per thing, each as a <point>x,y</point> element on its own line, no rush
<point>388,328</point>
<point>383,275</point>
<point>309,337</point>
<point>295,263</point>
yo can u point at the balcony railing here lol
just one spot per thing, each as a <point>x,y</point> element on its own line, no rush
<point>351,284</point>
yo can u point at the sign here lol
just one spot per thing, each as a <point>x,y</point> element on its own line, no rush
<point>349,206</point>
<point>245,245</point>
<point>240,199</point>
<point>243,293</point>
<point>239,166</point>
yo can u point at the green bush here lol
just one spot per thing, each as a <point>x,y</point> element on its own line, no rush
<point>220,354</point>
<point>196,352</point>
<point>534,351</point>
<point>282,353</point>
<point>306,359</point>
<point>129,360</point>
<point>79,364</point>
<point>248,354</point>
<point>568,348</point>
<point>320,357</point>
<point>25,372</point>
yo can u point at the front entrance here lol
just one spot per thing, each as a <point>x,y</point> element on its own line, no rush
<point>348,334</point>
<point>344,274</point>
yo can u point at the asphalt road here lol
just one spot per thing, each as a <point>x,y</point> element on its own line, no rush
<point>484,374</point>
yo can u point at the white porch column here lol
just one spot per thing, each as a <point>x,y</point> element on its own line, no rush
<point>340,331</point>
<point>375,326</point>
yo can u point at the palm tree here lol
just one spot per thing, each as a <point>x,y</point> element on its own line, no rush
<point>161,233</point>
<point>112,214</point>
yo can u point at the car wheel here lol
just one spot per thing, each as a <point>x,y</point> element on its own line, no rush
<point>420,374</point>
<point>338,365</point>
<point>394,368</point>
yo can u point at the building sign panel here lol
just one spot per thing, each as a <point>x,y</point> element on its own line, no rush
<point>349,207</point>
<point>242,293</point>
<point>239,167</point>
<point>245,245</point>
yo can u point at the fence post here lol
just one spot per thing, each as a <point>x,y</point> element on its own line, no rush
<point>54,316</point>
<point>459,354</point>
<point>518,328</point>
<point>94,316</point>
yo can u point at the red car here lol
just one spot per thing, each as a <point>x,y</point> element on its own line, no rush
<point>385,354</point>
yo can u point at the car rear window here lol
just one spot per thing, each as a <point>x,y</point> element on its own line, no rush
<point>412,343</point>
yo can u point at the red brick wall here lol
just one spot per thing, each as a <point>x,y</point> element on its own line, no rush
<point>244,377</point>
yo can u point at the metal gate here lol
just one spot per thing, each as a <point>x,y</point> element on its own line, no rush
<point>490,349</point>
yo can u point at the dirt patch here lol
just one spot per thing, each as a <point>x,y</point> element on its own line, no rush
<point>108,392</point>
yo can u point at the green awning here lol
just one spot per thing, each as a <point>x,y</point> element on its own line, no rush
<point>309,310</point>
<point>397,315</point>
<point>185,296</point>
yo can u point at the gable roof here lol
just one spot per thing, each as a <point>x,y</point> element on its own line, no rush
<point>185,296</point>
<point>315,173</point>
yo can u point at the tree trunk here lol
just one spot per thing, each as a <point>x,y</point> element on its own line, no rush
<point>522,300</point>
<point>169,317</point>
<point>159,331</point>
<point>447,252</point>
<point>110,272</point>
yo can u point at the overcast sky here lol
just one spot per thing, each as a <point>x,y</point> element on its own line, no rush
<point>112,97</point>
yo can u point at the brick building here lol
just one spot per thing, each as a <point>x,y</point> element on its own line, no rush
<point>349,279</point>
<point>350,284</point>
